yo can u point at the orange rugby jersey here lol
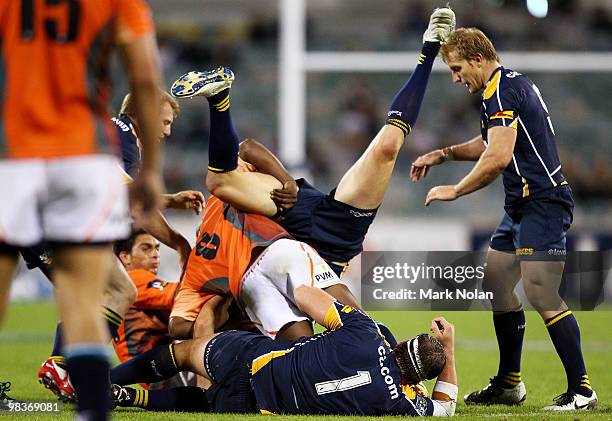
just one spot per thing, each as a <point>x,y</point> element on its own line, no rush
<point>54,84</point>
<point>222,253</point>
<point>145,325</point>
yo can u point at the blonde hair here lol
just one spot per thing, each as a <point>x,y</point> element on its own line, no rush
<point>127,106</point>
<point>467,43</point>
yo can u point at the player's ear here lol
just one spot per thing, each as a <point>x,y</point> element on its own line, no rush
<point>125,258</point>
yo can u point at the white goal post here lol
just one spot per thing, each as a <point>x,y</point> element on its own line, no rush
<point>296,62</point>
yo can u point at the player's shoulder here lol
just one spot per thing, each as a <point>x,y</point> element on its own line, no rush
<point>123,123</point>
<point>141,276</point>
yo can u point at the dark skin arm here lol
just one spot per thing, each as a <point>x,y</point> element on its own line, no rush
<point>266,162</point>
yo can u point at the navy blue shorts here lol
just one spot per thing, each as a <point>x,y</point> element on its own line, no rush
<point>37,256</point>
<point>227,358</point>
<point>536,229</point>
<point>334,229</point>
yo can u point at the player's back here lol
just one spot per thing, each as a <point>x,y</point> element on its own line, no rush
<point>226,238</point>
<point>350,370</point>
<point>56,87</point>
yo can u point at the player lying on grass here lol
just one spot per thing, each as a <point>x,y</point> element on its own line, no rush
<point>348,369</point>
<point>335,224</point>
<point>119,293</point>
<point>517,140</point>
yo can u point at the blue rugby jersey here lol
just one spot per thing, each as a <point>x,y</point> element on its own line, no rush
<point>511,99</point>
<point>350,370</point>
<point>129,145</point>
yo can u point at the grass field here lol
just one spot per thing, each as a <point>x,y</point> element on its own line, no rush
<point>26,339</point>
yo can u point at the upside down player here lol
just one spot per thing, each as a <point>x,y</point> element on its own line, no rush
<point>518,140</point>
<point>62,183</point>
<point>324,374</point>
<point>336,224</point>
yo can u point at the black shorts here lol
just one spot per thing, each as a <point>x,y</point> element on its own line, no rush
<point>37,256</point>
<point>536,229</point>
<point>227,358</point>
<point>336,230</point>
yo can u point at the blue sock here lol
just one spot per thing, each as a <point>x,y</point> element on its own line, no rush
<point>565,334</point>
<point>149,367</point>
<point>406,104</point>
<point>88,368</point>
<point>113,322</point>
<point>223,141</point>
<point>57,341</point>
<point>510,330</point>
<point>183,399</point>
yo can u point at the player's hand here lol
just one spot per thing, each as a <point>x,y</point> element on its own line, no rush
<point>444,331</point>
<point>444,193</point>
<point>286,197</point>
<point>420,167</point>
<point>145,197</point>
<point>188,199</point>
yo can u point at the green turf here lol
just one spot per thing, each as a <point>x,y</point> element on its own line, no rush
<point>26,340</point>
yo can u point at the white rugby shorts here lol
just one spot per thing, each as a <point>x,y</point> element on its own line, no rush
<point>79,199</point>
<point>267,287</point>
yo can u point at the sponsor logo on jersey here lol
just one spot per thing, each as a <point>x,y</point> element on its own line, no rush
<point>385,373</point>
<point>502,114</point>
<point>394,112</point>
<point>420,405</point>
<point>357,214</point>
<point>124,127</point>
<point>158,284</point>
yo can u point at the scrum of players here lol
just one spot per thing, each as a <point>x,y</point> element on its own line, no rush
<point>268,261</point>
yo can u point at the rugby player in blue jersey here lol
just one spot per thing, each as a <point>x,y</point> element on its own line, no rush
<point>517,140</point>
<point>348,369</point>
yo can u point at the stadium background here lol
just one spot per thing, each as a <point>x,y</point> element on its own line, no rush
<point>344,109</point>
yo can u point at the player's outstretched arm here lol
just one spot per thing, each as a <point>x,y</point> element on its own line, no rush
<point>445,391</point>
<point>188,199</point>
<point>159,228</point>
<point>490,165</point>
<point>467,151</point>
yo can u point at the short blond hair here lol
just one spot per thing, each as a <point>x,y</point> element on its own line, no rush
<point>127,106</point>
<point>468,43</point>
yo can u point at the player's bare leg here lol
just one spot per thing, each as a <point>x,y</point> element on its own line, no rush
<point>180,328</point>
<point>8,263</point>
<point>502,274</point>
<point>295,330</point>
<point>542,280</point>
<point>119,292</point>
<point>80,273</point>
<point>364,185</point>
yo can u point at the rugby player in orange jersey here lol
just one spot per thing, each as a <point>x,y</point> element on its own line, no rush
<point>54,139</point>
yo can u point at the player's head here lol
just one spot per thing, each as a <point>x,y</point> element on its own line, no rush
<point>139,251</point>
<point>420,358</point>
<point>168,112</point>
<point>470,55</point>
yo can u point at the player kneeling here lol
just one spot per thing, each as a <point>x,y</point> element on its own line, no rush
<point>324,374</point>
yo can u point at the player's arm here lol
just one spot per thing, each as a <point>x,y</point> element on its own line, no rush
<point>188,199</point>
<point>266,162</point>
<point>159,228</point>
<point>212,316</point>
<point>141,58</point>
<point>445,391</point>
<point>467,151</point>
<point>491,164</point>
